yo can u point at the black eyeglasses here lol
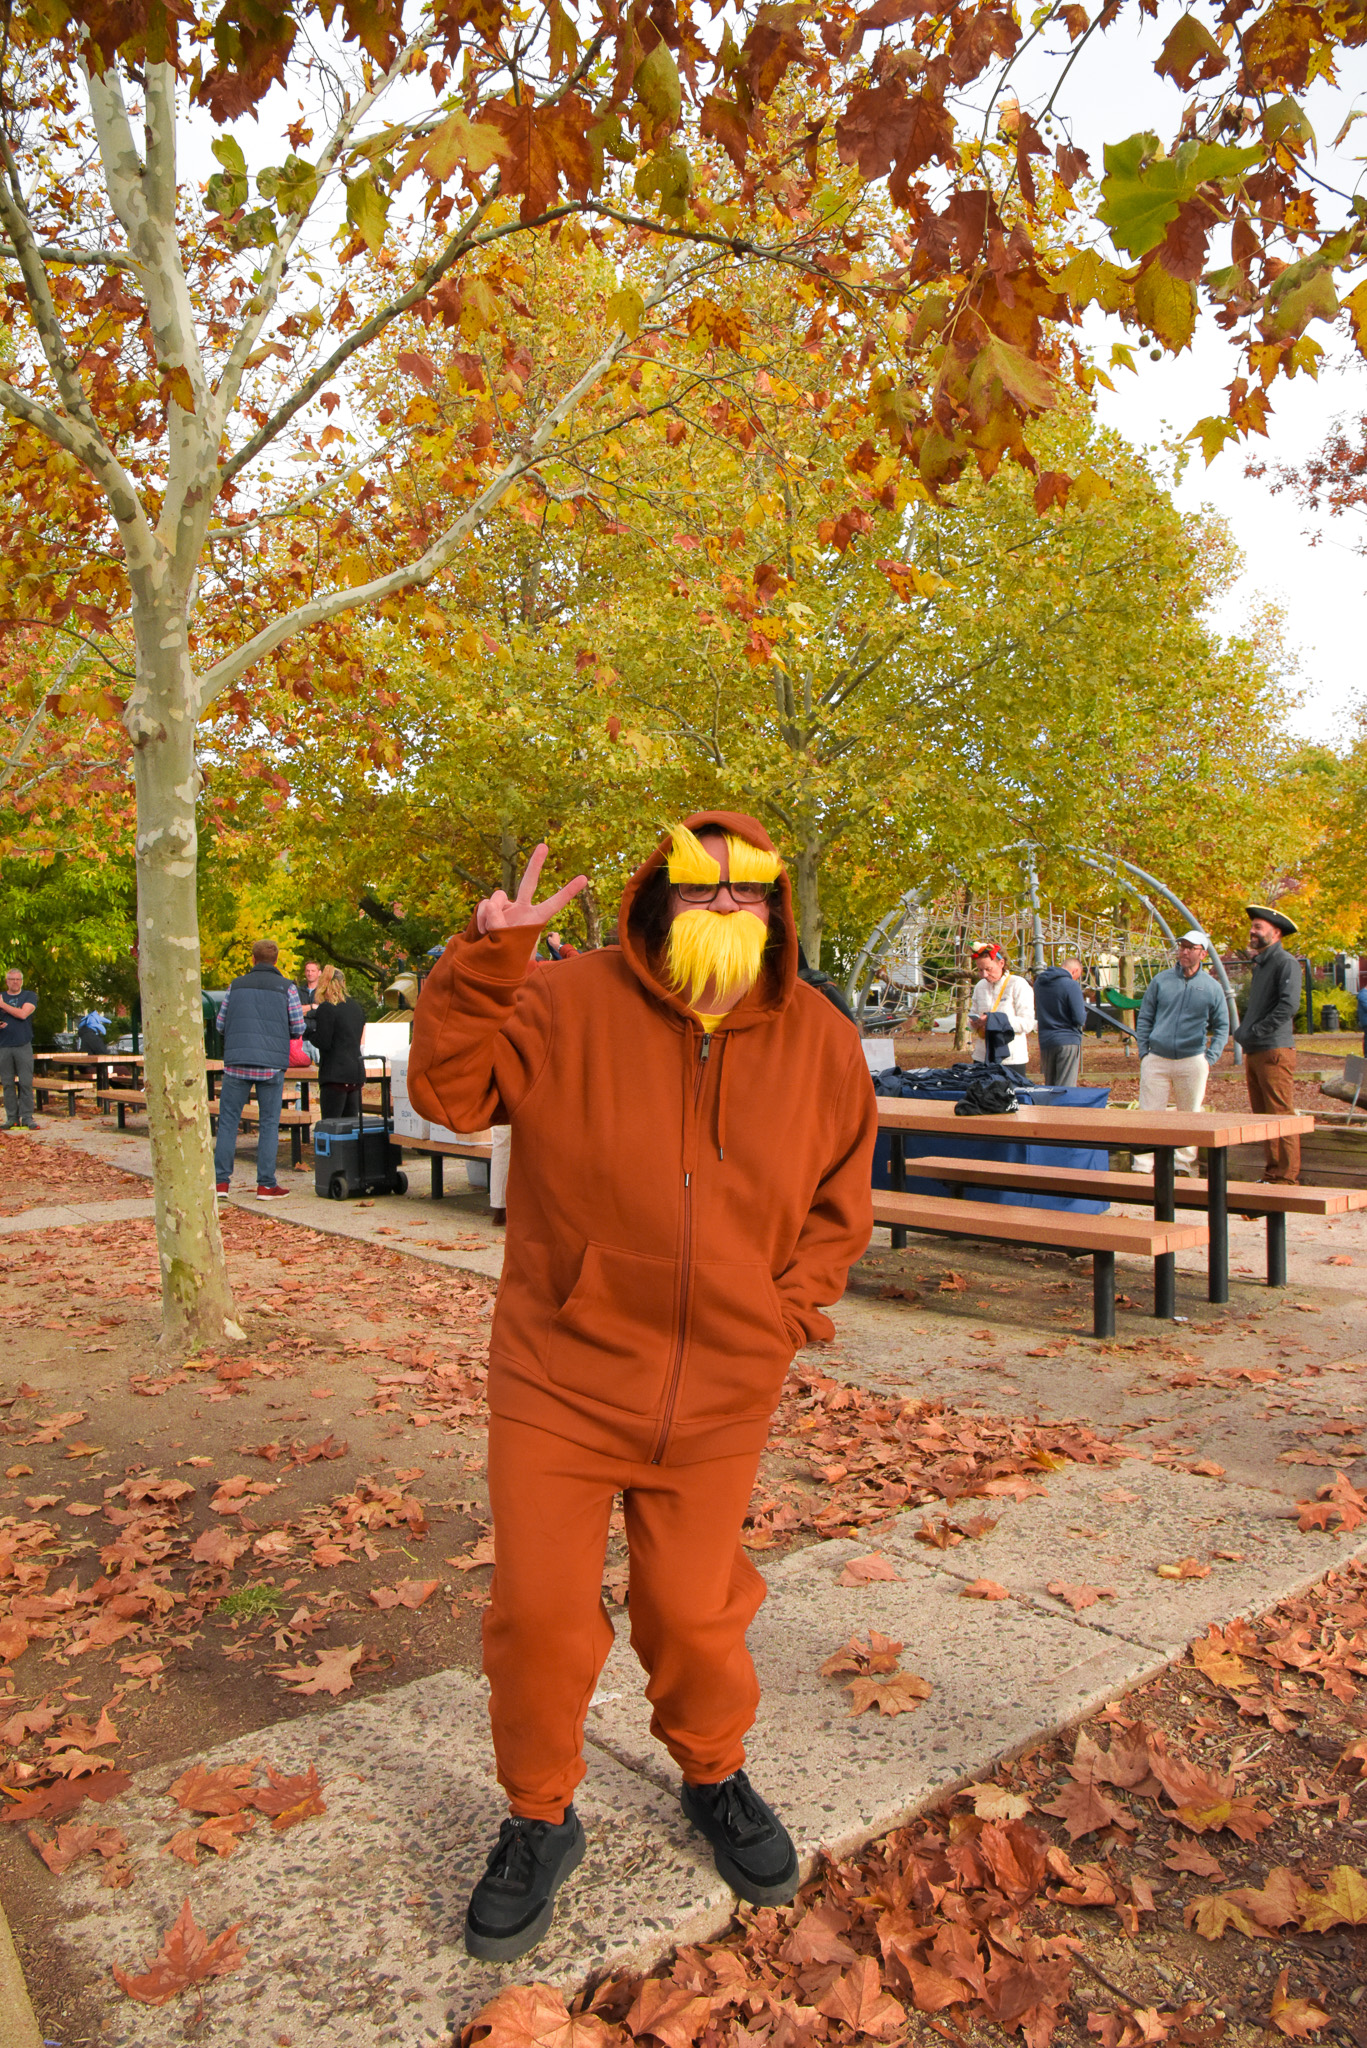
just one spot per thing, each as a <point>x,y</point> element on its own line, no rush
<point>707,892</point>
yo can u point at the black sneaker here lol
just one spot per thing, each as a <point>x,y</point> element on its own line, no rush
<point>511,1906</point>
<point>750,1845</point>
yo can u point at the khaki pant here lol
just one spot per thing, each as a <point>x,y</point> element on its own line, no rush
<point>1272,1092</point>
<point>502,1152</point>
<point>1171,1084</point>
<point>692,1593</point>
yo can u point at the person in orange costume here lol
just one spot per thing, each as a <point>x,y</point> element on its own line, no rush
<point>690,1183</point>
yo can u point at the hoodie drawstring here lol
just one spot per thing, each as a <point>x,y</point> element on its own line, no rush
<point>725,1067</point>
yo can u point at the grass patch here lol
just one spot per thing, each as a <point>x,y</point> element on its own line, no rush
<point>251,1603</point>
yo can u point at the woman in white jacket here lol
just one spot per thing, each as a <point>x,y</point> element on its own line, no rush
<point>1002,994</point>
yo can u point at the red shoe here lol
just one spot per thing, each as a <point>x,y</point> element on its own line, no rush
<point>271,1194</point>
<point>221,1188</point>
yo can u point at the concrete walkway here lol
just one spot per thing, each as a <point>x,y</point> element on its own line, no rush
<point>353,1919</point>
<point>69,1215</point>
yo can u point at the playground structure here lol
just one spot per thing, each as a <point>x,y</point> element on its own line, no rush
<point>915,961</point>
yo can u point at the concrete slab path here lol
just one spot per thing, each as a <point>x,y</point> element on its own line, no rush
<point>353,1919</point>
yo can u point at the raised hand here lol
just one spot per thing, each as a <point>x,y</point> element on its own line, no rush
<point>500,911</point>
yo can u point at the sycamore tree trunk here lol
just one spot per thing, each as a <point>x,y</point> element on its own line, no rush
<point>808,892</point>
<point>196,1298</point>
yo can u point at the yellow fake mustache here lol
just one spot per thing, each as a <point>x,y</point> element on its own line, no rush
<point>706,947</point>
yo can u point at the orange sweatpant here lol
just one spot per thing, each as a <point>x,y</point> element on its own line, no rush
<point>692,1593</point>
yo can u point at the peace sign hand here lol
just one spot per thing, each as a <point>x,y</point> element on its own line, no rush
<point>500,912</point>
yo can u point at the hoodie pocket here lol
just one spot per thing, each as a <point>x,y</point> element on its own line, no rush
<point>614,1337</point>
<point>739,1349</point>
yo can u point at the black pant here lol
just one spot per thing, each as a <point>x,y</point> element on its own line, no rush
<point>338,1098</point>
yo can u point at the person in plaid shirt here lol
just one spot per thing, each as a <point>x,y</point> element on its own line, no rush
<point>258,1017</point>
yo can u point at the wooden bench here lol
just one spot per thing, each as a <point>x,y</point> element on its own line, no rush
<point>1063,1229</point>
<point>440,1149</point>
<point>1245,1197</point>
<point>71,1089</point>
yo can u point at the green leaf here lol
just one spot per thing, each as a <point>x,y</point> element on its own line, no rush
<point>625,309</point>
<point>657,86</point>
<point>1142,193</point>
<point>1304,292</point>
<point>667,176</point>
<point>367,209</point>
<point>224,194</point>
<point>293,186</point>
<point>229,154</point>
<point>1167,304</point>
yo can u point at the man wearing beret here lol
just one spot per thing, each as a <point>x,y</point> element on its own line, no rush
<point>1266,1034</point>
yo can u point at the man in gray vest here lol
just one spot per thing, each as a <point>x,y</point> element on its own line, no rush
<point>258,1017</point>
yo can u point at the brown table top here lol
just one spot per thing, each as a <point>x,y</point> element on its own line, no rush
<point>1129,1129</point>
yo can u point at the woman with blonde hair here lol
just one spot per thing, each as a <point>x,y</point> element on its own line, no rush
<point>338,1023</point>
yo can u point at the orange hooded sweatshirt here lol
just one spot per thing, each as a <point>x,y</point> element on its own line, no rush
<point>680,1204</point>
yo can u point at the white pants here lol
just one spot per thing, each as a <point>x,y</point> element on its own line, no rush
<point>498,1165</point>
<point>1171,1084</point>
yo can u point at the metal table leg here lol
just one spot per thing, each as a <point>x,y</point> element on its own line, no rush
<point>437,1188</point>
<point>898,1159</point>
<point>1165,1211</point>
<point>1103,1294</point>
<point>1276,1249</point>
<point>1217,1217</point>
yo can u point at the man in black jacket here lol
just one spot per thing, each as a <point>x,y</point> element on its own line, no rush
<point>1266,1035</point>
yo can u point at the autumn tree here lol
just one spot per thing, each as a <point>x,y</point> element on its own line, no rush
<point>179,365</point>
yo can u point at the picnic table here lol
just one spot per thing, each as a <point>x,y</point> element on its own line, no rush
<point>1113,1130</point>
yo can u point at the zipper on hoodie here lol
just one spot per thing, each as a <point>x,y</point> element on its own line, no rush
<point>685,1274</point>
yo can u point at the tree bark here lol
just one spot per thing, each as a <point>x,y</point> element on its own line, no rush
<point>196,1296</point>
<point>593,922</point>
<point>963,977</point>
<point>809,899</point>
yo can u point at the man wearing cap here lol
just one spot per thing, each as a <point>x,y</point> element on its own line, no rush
<point>1182,1028</point>
<point>1266,1034</point>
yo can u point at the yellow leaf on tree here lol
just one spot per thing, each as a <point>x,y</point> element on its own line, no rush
<point>625,308</point>
<point>1167,304</point>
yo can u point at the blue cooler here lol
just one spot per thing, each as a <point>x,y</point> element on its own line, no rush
<point>353,1157</point>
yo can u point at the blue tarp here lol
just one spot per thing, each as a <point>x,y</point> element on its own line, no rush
<point>930,1086</point>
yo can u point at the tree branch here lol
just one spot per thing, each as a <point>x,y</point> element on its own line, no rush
<point>53,252</point>
<point>435,558</point>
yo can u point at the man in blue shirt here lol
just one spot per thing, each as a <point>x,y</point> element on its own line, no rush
<point>1182,1027</point>
<point>17,1006</point>
<point>258,1017</point>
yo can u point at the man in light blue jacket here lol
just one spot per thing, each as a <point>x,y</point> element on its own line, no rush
<point>1182,1028</point>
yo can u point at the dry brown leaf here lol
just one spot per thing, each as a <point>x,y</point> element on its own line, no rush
<point>1185,1568</point>
<point>668,2013</point>
<point>862,1571</point>
<point>1295,2017</point>
<point>984,1589</point>
<point>1192,1857</point>
<point>1079,1597</point>
<point>858,2001</point>
<point>289,1800</point>
<point>330,1672</point>
<point>225,1790</point>
<point>1219,1664</point>
<point>900,1694</point>
<point>186,1959</point>
<point>1084,1809</point>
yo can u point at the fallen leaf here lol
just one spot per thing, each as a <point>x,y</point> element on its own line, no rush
<point>535,2016</point>
<point>819,1937</point>
<point>481,1553</point>
<point>861,1571</point>
<point>1295,2017</point>
<point>186,1957</point>
<point>899,1694</point>
<point>331,1672</point>
<point>13,1640</point>
<point>1191,1856</point>
<point>1080,1597</point>
<point>953,1283</point>
<point>994,1802</point>
<point>858,2001</point>
<point>1084,1809</point>
<point>221,1834</point>
<point>879,1653</point>
<point>1218,1664</point>
<point>984,1589</point>
<point>289,1800</point>
<point>218,1546</point>
<point>1342,1903</point>
<point>1185,1568</point>
<point>225,1790</point>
